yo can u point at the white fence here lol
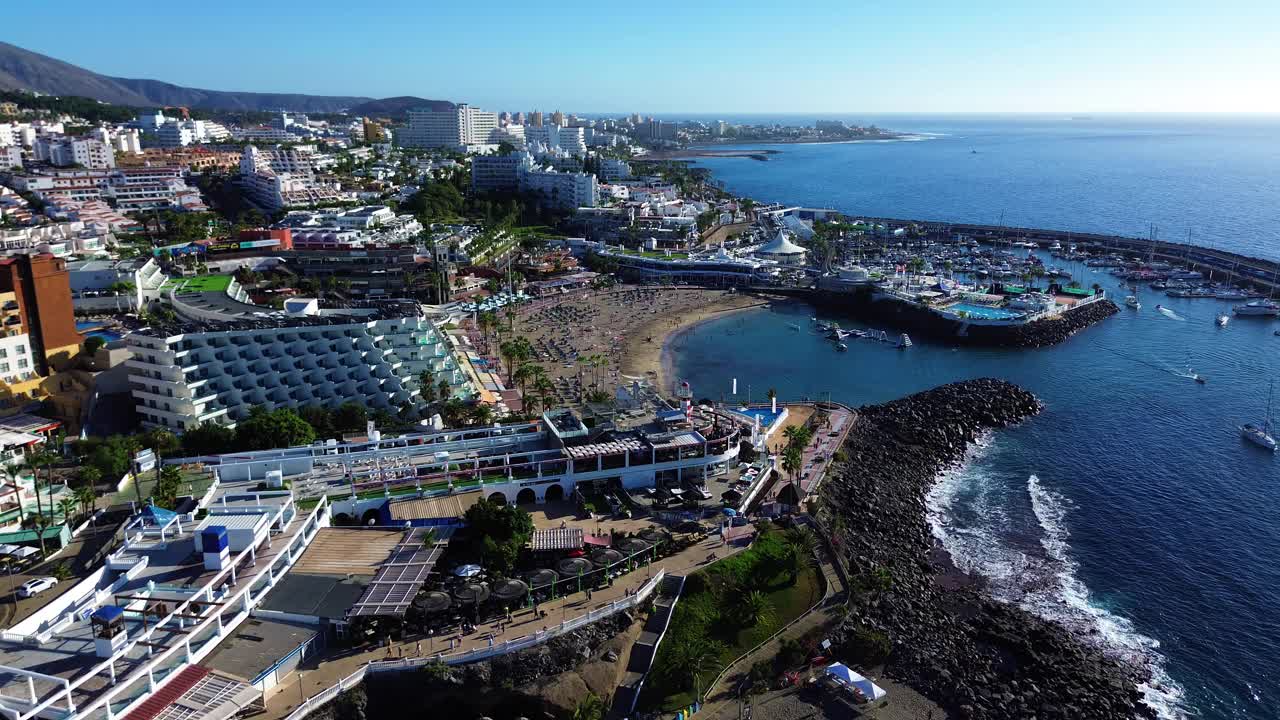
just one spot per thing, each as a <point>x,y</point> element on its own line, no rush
<point>459,658</point>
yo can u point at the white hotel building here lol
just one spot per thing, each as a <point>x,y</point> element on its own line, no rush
<point>460,127</point>
<point>181,378</point>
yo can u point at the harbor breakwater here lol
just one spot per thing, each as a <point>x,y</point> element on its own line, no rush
<point>932,626</point>
<point>861,305</point>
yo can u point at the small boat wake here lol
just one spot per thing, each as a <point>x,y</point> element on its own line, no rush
<point>1026,559</point>
<point>1170,314</point>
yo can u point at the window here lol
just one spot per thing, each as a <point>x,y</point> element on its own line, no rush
<point>22,349</point>
<point>4,367</point>
<point>22,363</point>
<point>4,353</point>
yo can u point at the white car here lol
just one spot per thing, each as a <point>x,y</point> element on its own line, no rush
<point>31,588</point>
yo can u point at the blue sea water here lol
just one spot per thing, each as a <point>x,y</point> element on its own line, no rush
<point>1216,178</point>
<point>1130,509</point>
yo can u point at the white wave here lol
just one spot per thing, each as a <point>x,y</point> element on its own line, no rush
<point>1171,314</point>
<point>1066,599</point>
<point>968,516</point>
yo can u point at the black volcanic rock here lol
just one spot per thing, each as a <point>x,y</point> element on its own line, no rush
<point>977,657</point>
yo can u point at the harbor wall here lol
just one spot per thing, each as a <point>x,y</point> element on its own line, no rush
<point>863,306</point>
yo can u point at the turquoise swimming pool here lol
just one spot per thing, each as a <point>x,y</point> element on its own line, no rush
<point>767,417</point>
<point>981,311</point>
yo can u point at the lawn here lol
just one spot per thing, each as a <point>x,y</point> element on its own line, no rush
<point>194,483</point>
<point>205,283</point>
<point>704,631</point>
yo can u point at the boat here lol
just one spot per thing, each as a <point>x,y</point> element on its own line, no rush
<point>904,342</point>
<point>1260,435</point>
<point>1258,308</point>
<point>1222,319</point>
<point>1132,301</point>
<point>841,347</point>
<point>793,326</point>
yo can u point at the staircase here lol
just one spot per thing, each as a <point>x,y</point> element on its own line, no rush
<point>645,648</point>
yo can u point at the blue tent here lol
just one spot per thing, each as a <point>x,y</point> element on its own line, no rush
<point>158,516</point>
<point>848,678</point>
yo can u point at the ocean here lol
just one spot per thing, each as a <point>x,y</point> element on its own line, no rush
<point>1213,179</point>
<point>1130,509</point>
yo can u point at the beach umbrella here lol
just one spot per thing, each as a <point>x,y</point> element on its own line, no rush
<point>540,578</point>
<point>843,675</point>
<point>605,557</point>
<point>729,512</point>
<point>690,526</point>
<point>573,567</point>
<point>466,571</point>
<point>731,495</point>
<point>472,593</point>
<point>650,535</point>
<point>433,602</point>
<point>632,546</point>
<point>509,590</point>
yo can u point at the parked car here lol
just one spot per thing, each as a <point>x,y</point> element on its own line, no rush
<point>31,588</point>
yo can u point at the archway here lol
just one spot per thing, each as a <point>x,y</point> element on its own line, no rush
<point>343,520</point>
<point>498,498</point>
<point>526,497</point>
<point>554,493</point>
<point>370,517</point>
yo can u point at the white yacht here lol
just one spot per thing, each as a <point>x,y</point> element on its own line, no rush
<point>1222,319</point>
<point>1260,435</point>
<point>1132,301</point>
<point>1258,308</point>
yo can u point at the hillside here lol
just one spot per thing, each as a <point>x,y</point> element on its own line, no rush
<point>22,69</point>
<point>397,107</point>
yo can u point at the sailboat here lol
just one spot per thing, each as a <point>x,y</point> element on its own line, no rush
<point>1260,435</point>
<point>1222,320</point>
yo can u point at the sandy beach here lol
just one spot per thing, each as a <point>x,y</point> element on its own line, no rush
<point>644,351</point>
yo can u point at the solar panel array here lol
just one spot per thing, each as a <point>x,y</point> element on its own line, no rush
<point>398,580</point>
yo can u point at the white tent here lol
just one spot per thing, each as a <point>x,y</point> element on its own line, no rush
<point>7,549</point>
<point>843,675</point>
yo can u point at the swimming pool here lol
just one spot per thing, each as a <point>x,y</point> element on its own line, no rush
<point>767,417</point>
<point>981,311</point>
<point>95,329</point>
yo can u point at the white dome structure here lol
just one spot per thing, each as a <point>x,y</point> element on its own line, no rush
<point>781,250</point>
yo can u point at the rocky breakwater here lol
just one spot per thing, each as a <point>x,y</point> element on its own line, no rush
<point>1054,330</point>
<point>913,612</point>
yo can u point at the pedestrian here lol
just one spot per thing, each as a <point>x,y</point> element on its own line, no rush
<point>418,648</point>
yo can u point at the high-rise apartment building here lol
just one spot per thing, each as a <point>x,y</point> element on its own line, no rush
<point>461,126</point>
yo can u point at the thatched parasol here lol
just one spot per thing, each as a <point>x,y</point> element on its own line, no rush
<point>573,567</point>
<point>509,590</point>
<point>471,593</point>
<point>605,557</point>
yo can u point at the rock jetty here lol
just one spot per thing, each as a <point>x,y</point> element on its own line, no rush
<point>1043,333</point>
<point>931,626</point>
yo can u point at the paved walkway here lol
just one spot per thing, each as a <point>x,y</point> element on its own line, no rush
<point>315,675</point>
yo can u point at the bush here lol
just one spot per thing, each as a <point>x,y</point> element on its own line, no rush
<point>867,647</point>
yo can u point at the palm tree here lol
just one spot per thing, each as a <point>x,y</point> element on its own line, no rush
<point>792,462</point>
<point>37,460</point>
<point>443,389</point>
<point>754,609</point>
<point>87,498</point>
<point>41,522</point>
<point>482,415</point>
<point>14,472</point>
<point>67,505</point>
<point>524,374</point>
<point>801,543</point>
<point>543,386</point>
<point>773,393</point>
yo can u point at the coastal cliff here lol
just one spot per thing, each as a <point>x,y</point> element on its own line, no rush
<point>931,626</point>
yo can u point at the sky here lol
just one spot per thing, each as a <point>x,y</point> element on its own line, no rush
<point>700,57</point>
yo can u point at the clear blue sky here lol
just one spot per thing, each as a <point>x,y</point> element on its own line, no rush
<point>705,56</point>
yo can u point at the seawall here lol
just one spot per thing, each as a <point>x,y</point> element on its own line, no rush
<point>932,627</point>
<point>903,316</point>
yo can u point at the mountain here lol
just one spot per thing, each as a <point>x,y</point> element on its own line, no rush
<point>396,107</point>
<point>22,69</point>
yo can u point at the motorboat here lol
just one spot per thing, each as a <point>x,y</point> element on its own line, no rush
<point>1132,301</point>
<point>1258,308</point>
<point>904,342</point>
<point>1260,435</point>
<point>1222,319</point>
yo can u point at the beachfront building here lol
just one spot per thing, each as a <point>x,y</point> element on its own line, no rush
<point>285,177</point>
<point>781,250</point>
<point>185,374</point>
<point>714,269</point>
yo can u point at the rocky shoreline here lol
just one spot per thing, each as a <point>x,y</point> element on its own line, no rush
<point>976,657</point>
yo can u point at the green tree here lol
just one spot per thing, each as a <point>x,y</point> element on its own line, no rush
<point>590,707</point>
<point>265,429</point>
<point>87,498</point>
<point>792,462</point>
<point>754,609</point>
<point>92,344</point>
<point>41,522</point>
<point>14,472</point>
<point>208,438</point>
<point>350,416</point>
<point>168,485</point>
<point>67,506</point>
<point>502,530</point>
